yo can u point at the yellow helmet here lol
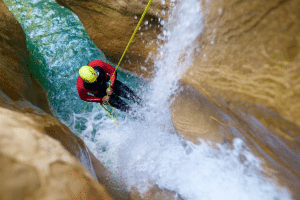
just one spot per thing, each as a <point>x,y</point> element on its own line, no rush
<point>88,74</point>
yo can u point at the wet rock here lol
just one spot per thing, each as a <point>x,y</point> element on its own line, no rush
<point>15,82</point>
<point>194,116</point>
<point>110,25</point>
<point>154,192</point>
<point>245,82</point>
<point>36,166</point>
<point>39,155</point>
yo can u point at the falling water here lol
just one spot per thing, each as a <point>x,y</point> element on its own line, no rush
<point>147,149</point>
<point>144,146</point>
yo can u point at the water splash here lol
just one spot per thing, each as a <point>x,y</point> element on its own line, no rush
<point>147,150</point>
<point>144,148</point>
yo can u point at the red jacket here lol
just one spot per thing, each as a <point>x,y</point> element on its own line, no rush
<point>83,92</point>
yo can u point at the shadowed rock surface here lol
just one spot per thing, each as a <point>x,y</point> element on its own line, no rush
<point>154,192</point>
<point>37,152</point>
<point>36,166</point>
<point>110,25</point>
<point>245,82</point>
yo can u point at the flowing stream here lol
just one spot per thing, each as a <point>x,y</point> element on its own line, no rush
<point>143,147</point>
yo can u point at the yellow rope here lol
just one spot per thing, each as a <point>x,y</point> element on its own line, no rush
<point>85,107</point>
<point>136,28</point>
<point>109,113</point>
<point>112,108</point>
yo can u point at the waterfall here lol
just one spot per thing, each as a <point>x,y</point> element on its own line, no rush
<point>145,147</point>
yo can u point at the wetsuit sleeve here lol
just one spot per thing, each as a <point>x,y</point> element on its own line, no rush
<point>83,92</point>
<point>109,69</point>
<point>106,68</point>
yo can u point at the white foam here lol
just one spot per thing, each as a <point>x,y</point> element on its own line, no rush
<point>146,150</point>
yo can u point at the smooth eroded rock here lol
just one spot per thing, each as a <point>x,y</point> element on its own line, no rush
<point>245,82</point>
<point>153,192</point>
<point>39,155</point>
<point>110,25</point>
<point>37,166</point>
<point>15,82</point>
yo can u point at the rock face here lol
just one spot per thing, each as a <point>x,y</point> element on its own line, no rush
<point>110,25</point>
<point>154,192</point>
<point>15,82</point>
<point>37,152</point>
<point>36,166</point>
<point>245,82</point>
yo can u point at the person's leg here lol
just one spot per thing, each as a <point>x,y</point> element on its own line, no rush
<point>118,103</point>
<point>122,90</point>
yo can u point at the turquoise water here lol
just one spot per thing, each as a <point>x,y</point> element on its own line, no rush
<point>58,40</point>
<point>144,148</point>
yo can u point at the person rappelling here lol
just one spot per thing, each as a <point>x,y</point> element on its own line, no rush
<point>95,77</point>
<point>99,79</point>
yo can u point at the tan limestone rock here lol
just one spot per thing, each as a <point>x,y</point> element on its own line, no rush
<point>13,63</point>
<point>194,116</point>
<point>110,25</point>
<point>154,192</point>
<point>245,82</point>
<point>34,165</point>
<point>37,166</point>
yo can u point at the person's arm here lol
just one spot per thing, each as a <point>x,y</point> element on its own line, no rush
<point>106,68</point>
<point>86,97</point>
<point>83,92</point>
<point>109,69</point>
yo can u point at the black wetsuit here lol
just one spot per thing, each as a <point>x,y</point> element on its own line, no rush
<point>119,90</point>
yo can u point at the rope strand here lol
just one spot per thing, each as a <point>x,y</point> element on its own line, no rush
<point>109,86</point>
<point>132,36</point>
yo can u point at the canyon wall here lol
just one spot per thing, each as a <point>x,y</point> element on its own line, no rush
<point>245,82</point>
<point>39,155</point>
<point>110,25</point>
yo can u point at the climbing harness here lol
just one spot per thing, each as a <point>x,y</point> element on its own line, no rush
<point>110,114</point>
